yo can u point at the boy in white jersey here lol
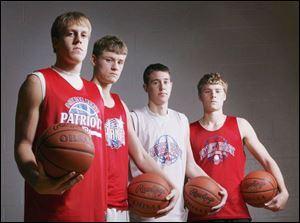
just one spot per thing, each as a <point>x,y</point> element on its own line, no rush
<point>164,134</point>
<point>50,96</point>
<point>109,55</point>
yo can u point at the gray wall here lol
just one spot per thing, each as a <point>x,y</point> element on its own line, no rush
<point>253,44</point>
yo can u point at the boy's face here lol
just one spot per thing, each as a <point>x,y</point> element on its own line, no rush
<point>108,66</point>
<point>212,97</point>
<point>73,43</point>
<point>159,87</point>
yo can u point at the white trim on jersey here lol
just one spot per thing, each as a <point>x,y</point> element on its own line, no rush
<point>75,81</point>
<point>43,82</point>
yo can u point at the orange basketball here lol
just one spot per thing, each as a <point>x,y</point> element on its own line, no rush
<point>258,187</point>
<point>201,194</point>
<point>147,194</point>
<point>64,148</point>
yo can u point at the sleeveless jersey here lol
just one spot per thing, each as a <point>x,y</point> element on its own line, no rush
<point>165,139</point>
<point>86,201</point>
<point>116,135</point>
<point>220,154</point>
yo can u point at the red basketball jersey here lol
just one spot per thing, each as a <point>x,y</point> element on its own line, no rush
<point>220,154</point>
<point>87,200</point>
<point>116,135</point>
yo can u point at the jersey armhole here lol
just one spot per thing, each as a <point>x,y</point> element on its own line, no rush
<point>134,120</point>
<point>43,82</point>
<point>240,131</point>
<point>184,121</point>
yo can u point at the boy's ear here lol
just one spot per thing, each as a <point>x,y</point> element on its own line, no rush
<point>145,87</point>
<point>199,96</point>
<point>54,44</point>
<point>93,60</point>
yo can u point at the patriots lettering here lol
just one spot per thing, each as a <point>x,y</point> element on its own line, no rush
<point>83,112</point>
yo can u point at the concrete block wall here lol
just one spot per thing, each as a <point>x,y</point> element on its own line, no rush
<point>253,44</point>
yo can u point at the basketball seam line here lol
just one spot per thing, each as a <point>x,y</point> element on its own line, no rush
<point>131,194</point>
<point>73,149</point>
<point>251,192</point>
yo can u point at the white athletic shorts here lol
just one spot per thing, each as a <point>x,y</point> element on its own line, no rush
<point>114,215</point>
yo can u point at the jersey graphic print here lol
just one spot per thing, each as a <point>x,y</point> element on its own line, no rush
<point>83,112</point>
<point>114,133</point>
<point>166,150</point>
<point>216,150</point>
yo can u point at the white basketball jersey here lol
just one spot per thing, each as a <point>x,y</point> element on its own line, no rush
<point>165,139</point>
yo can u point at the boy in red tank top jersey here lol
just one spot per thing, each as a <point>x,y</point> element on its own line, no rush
<point>109,55</point>
<point>217,142</point>
<point>55,95</point>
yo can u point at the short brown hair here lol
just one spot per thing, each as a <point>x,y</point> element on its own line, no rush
<point>110,44</point>
<point>154,67</point>
<point>212,78</point>
<point>66,19</point>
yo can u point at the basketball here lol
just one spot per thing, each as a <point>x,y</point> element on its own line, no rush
<point>201,194</point>
<point>147,194</point>
<point>64,148</point>
<point>258,187</point>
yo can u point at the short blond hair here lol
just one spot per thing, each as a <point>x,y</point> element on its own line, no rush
<point>212,78</point>
<point>67,19</point>
<point>110,44</point>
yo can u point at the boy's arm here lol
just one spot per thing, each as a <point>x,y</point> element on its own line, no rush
<point>261,154</point>
<point>27,116</point>
<point>193,170</point>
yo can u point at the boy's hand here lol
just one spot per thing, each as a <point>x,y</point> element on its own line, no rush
<point>47,185</point>
<point>218,207</point>
<point>172,197</point>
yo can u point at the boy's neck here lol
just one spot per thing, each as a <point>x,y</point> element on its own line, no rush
<point>158,109</point>
<point>69,69</point>
<point>213,121</point>
<point>213,117</point>
<point>106,92</point>
<point>105,87</point>
<point>107,98</point>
